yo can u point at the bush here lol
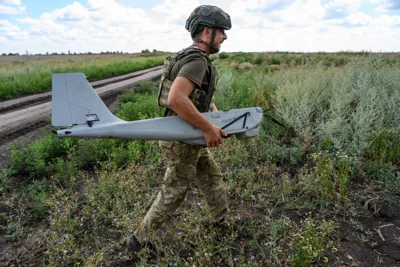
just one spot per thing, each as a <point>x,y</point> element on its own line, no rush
<point>146,87</point>
<point>384,176</point>
<point>259,60</point>
<point>328,180</point>
<point>384,145</point>
<point>300,60</point>
<point>223,55</point>
<point>341,108</point>
<point>309,246</point>
<point>145,107</point>
<point>242,57</point>
<point>274,61</point>
<point>129,96</point>
<point>38,158</point>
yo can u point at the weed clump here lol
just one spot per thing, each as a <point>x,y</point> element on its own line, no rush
<point>327,182</point>
<point>384,146</point>
<point>310,244</point>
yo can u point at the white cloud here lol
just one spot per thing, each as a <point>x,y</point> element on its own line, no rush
<point>108,14</point>
<point>386,21</point>
<point>10,31</point>
<point>174,11</point>
<point>244,5</point>
<point>6,26</point>
<point>359,18</point>
<point>11,7</point>
<point>224,4</point>
<point>244,14</point>
<point>99,4</point>
<point>252,14</point>
<point>19,36</point>
<point>73,12</point>
<point>350,5</point>
<point>29,21</point>
<point>302,13</point>
<point>257,4</point>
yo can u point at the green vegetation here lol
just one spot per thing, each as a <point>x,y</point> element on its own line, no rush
<point>20,78</point>
<point>290,189</point>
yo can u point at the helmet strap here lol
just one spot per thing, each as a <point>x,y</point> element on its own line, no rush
<point>213,50</point>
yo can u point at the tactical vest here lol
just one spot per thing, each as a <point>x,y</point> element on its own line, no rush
<point>200,97</point>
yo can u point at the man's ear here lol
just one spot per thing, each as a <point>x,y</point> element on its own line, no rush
<point>207,31</point>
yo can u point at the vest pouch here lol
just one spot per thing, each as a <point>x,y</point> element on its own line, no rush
<point>165,87</point>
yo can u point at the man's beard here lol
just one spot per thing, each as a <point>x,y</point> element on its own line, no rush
<point>214,49</point>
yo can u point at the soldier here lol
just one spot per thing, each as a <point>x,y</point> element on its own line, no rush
<point>186,89</point>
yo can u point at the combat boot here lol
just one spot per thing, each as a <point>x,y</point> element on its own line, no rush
<point>133,244</point>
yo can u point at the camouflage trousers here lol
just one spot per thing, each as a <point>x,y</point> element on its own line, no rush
<point>185,163</point>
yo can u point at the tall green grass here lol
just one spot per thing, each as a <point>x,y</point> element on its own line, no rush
<point>35,77</point>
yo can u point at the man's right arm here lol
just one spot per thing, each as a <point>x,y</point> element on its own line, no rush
<point>178,100</point>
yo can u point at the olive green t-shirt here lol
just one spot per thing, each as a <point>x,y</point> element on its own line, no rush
<point>194,70</point>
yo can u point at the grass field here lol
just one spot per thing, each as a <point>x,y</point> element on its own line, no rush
<point>26,75</point>
<point>298,194</point>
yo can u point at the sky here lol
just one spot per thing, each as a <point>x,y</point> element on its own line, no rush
<point>40,26</point>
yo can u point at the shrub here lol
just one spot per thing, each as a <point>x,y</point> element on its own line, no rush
<point>309,244</point>
<point>129,96</point>
<point>341,108</point>
<point>37,159</point>
<point>384,176</point>
<point>145,107</point>
<point>36,195</point>
<point>341,61</point>
<point>223,55</point>
<point>242,57</point>
<point>328,180</point>
<point>384,145</point>
<point>146,87</point>
<point>274,61</point>
<point>259,60</point>
<point>301,60</point>
<point>273,151</point>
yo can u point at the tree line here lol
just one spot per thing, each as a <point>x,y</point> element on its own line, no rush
<point>145,51</point>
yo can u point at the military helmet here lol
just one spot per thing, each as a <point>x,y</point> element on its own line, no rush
<point>208,16</point>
